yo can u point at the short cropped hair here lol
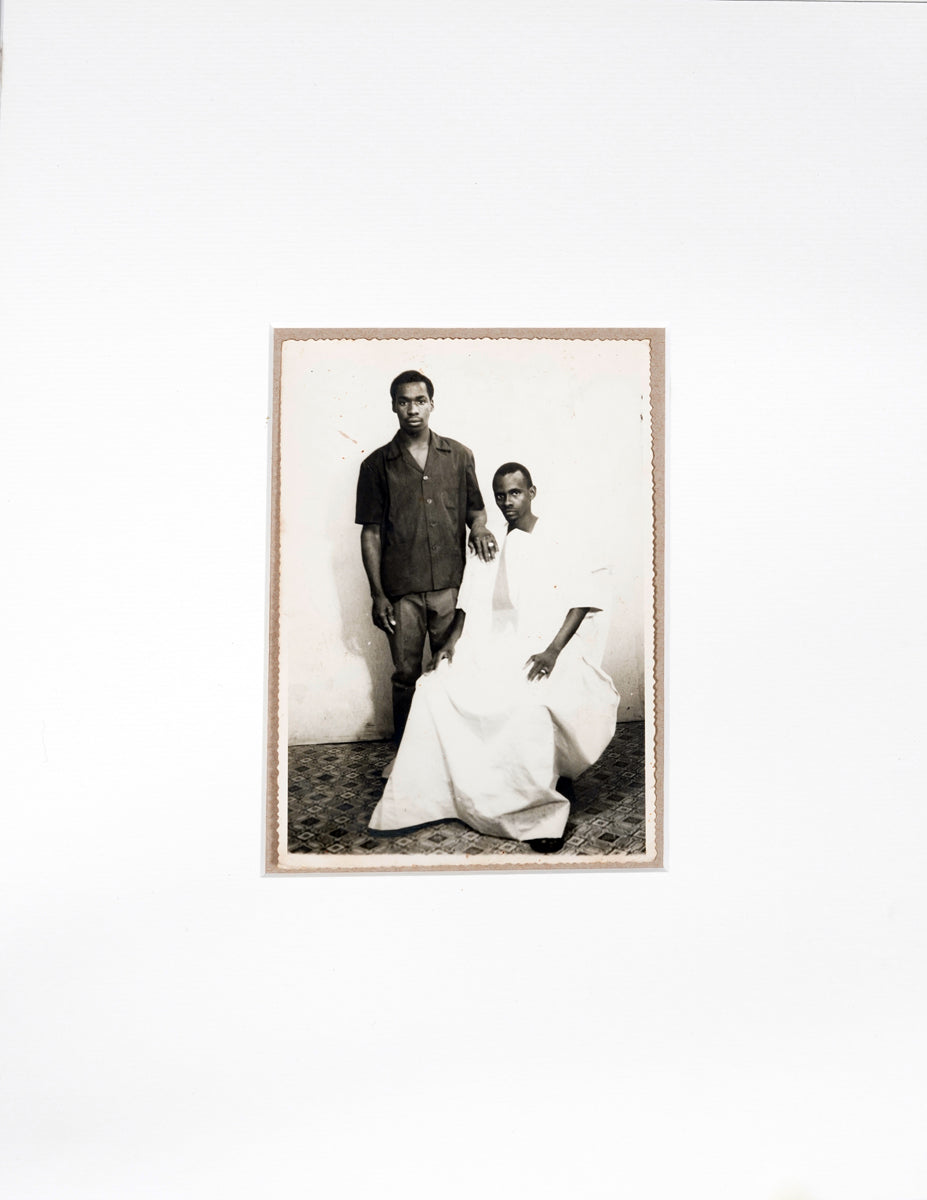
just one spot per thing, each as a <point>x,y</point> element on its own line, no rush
<point>510,468</point>
<point>412,377</point>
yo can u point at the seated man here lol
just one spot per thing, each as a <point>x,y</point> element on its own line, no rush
<point>513,700</point>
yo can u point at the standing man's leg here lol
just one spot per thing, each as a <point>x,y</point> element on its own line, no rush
<point>406,646</point>
<point>440,608</point>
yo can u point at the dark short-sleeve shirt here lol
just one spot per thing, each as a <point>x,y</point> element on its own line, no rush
<point>422,514</point>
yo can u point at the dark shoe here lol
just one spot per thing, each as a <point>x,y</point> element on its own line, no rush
<point>565,787</point>
<point>546,845</point>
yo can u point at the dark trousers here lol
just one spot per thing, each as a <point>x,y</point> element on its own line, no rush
<point>416,614</point>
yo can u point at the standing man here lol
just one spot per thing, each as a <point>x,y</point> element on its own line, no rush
<point>415,497</point>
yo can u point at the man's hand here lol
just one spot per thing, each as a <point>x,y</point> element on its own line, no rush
<point>445,654</point>
<point>539,666</point>
<point>382,614</point>
<point>483,543</point>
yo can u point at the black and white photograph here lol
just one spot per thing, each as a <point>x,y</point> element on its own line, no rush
<point>464,553</point>
<point>466,599</point>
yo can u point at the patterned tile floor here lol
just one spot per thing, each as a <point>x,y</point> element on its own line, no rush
<point>334,789</point>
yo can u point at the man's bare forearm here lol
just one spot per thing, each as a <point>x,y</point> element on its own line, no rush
<point>381,610</point>
<point>540,665</point>
<point>572,622</point>
<point>456,629</point>
<point>370,554</point>
<point>446,653</point>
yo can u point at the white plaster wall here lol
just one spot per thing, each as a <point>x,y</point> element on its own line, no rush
<point>577,413</point>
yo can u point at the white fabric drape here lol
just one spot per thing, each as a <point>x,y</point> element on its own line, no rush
<point>482,743</point>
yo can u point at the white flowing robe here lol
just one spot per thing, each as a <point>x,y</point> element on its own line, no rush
<point>484,745</point>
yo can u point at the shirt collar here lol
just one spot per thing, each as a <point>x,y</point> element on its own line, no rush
<point>394,448</point>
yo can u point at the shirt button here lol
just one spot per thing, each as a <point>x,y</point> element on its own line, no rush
<point>428,501</point>
<point>425,477</point>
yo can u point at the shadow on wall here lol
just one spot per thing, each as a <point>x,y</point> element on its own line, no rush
<point>359,636</point>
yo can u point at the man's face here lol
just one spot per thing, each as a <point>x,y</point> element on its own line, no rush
<point>413,407</point>
<point>513,497</point>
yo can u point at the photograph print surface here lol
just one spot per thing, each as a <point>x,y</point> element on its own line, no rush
<point>466,600</point>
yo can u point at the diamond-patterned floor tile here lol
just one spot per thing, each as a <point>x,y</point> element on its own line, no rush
<point>334,789</point>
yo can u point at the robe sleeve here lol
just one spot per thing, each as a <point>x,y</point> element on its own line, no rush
<point>476,586</point>
<point>583,578</point>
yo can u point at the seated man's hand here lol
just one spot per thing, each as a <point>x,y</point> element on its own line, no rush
<point>539,666</point>
<point>483,543</point>
<point>445,654</point>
